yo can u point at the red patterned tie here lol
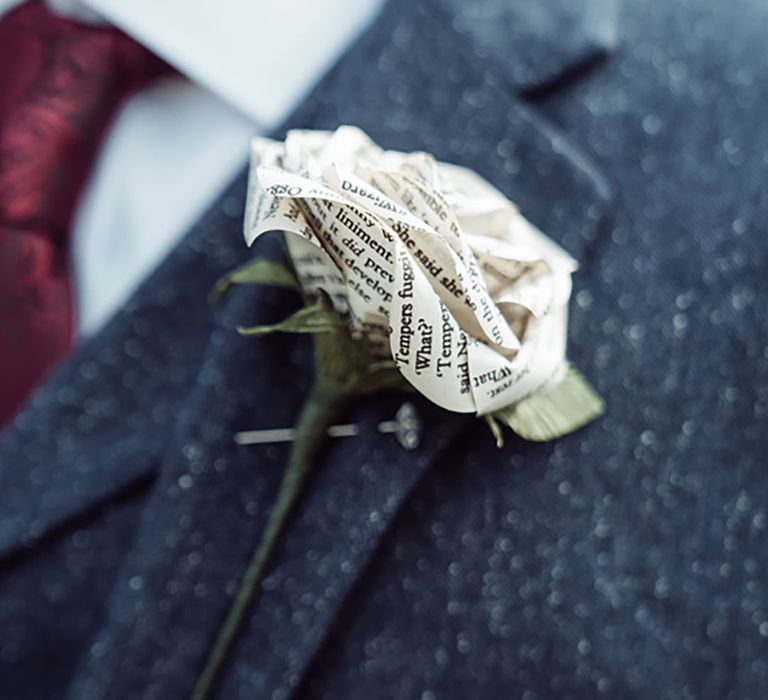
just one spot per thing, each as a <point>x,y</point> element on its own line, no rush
<point>60,84</point>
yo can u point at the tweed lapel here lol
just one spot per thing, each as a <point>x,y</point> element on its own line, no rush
<point>410,83</point>
<point>100,424</point>
<point>538,45</point>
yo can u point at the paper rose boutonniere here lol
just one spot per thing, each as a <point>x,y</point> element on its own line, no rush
<point>415,274</point>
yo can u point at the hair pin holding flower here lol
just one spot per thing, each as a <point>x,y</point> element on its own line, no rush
<point>405,427</point>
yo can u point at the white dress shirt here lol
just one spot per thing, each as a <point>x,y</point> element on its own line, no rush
<point>175,145</point>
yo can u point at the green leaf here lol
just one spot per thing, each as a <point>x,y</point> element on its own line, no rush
<point>564,408</point>
<point>316,318</point>
<point>493,424</point>
<point>257,271</point>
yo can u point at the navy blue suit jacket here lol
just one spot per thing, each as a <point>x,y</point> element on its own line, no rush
<point>626,560</point>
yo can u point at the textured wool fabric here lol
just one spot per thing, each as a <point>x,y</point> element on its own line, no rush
<point>625,560</point>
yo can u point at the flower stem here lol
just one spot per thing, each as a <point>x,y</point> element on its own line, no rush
<point>323,406</point>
